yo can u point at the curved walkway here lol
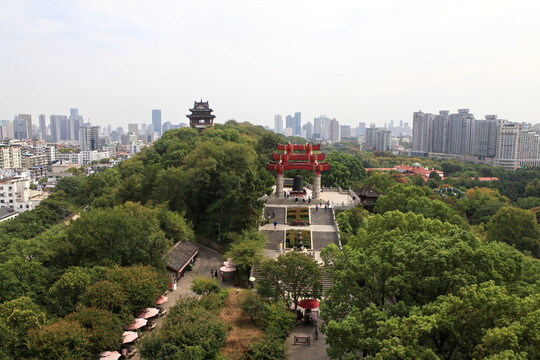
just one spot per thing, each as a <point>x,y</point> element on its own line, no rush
<point>208,259</point>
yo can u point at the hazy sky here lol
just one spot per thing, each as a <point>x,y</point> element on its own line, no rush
<point>371,61</point>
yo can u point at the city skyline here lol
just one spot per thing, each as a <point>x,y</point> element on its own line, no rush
<point>355,61</point>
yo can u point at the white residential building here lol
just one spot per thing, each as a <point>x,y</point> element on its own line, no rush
<point>16,194</point>
<point>10,157</point>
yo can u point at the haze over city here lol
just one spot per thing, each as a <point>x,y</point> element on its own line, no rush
<point>353,61</point>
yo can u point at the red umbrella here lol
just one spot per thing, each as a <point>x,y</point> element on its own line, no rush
<point>136,324</point>
<point>161,300</point>
<point>308,303</point>
<point>147,313</point>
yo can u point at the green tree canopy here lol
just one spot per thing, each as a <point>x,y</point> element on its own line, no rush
<point>104,329</point>
<point>247,249</point>
<point>516,227</point>
<point>17,317</point>
<point>126,234</point>
<point>399,262</point>
<point>62,339</point>
<point>292,277</point>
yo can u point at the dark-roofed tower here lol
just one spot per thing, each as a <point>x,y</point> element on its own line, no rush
<point>201,116</point>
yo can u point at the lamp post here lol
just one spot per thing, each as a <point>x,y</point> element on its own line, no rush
<point>219,231</point>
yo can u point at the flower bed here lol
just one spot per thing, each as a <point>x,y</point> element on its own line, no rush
<point>298,215</point>
<point>290,238</point>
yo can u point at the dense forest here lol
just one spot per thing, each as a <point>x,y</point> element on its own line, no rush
<point>67,286</point>
<point>443,269</point>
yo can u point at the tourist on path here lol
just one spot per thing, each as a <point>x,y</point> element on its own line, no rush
<point>316,207</point>
<point>216,275</point>
<point>273,213</point>
<point>212,273</point>
<point>275,225</point>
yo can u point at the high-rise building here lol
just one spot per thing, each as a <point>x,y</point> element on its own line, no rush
<point>43,126</point>
<point>55,122</point>
<point>288,122</point>
<point>278,124</point>
<point>370,138</point>
<point>421,126</point>
<point>361,128</point>
<point>460,127</point>
<point>75,122</point>
<point>334,130</point>
<point>317,128</point>
<point>308,129</point>
<point>297,124</point>
<point>133,128</point>
<point>345,131</point>
<point>66,128</point>
<point>382,140</point>
<point>167,126</point>
<point>377,139</point>
<point>28,119</point>
<point>20,129</point>
<point>156,121</point>
<point>8,132</point>
<point>88,138</point>
<point>484,141</point>
<point>461,136</point>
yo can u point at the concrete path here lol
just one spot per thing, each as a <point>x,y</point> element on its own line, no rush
<point>315,351</point>
<point>323,232</point>
<point>208,259</point>
<point>283,227</point>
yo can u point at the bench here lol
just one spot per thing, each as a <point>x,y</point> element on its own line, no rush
<point>302,340</point>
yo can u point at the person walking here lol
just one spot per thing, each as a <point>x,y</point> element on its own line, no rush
<point>316,207</point>
<point>275,225</point>
<point>216,275</point>
<point>325,207</point>
<point>212,273</point>
<point>274,214</point>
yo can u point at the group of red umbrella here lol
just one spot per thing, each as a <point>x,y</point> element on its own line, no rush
<point>130,336</point>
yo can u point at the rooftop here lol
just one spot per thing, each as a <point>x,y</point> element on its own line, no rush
<point>180,255</point>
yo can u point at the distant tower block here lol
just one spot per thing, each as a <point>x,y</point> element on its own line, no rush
<point>201,116</point>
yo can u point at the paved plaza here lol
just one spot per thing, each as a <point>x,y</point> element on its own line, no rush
<point>323,232</point>
<point>315,351</point>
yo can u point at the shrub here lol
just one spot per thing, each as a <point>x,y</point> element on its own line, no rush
<point>213,301</point>
<point>202,285</point>
<point>191,327</point>
<point>268,348</point>
<point>277,319</point>
<point>252,305</point>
